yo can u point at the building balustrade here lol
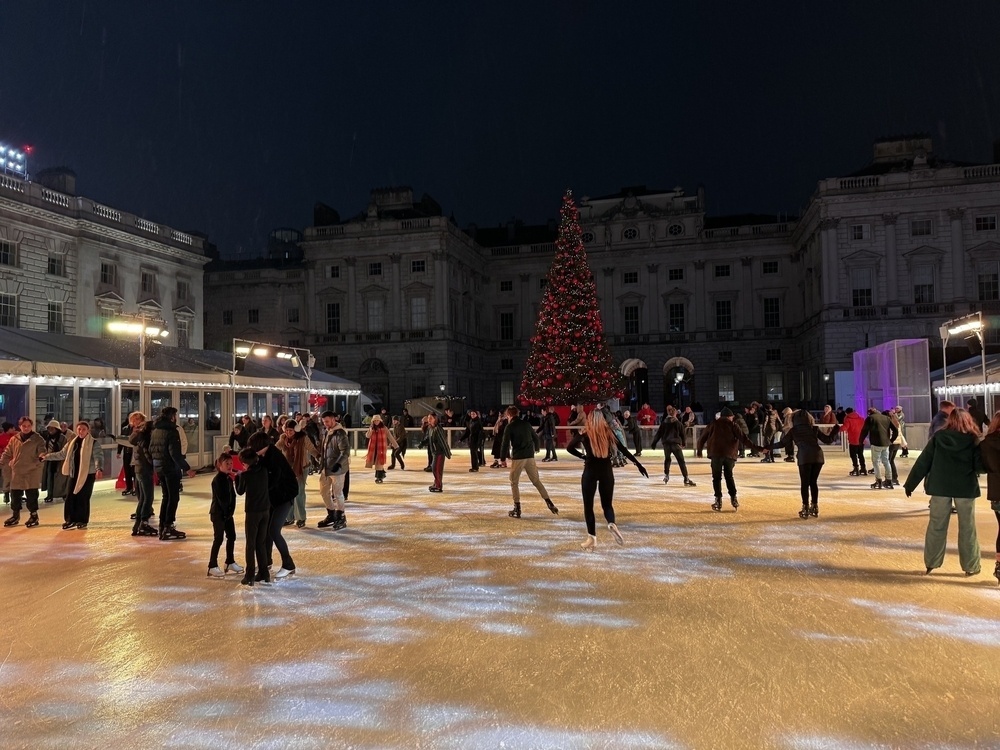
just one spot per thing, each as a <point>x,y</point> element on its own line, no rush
<point>107,213</point>
<point>146,226</point>
<point>749,230</point>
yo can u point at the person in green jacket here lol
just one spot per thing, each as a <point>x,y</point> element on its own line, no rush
<point>951,462</point>
<point>523,442</point>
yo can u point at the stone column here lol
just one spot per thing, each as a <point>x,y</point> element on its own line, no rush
<point>352,290</point>
<point>957,255</point>
<point>830,266</point>
<point>656,309</point>
<point>609,300</point>
<point>396,303</point>
<point>440,289</point>
<point>524,321</point>
<point>309,312</point>
<point>699,295</point>
<point>891,275</point>
<point>746,263</point>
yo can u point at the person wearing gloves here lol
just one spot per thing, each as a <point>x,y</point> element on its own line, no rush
<point>21,458</point>
<point>671,434</point>
<point>806,436</point>
<point>82,459</point>
<point>334,463</point>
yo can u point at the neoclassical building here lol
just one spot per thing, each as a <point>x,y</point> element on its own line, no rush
<point>696,306</point>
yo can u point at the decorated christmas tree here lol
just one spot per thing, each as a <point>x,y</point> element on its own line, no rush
<point>570,361</point>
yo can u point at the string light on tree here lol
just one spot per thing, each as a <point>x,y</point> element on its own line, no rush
<point>569,360</point>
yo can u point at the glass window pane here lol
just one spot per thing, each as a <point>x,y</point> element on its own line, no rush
<point>213,417</point>
<point>189,420</point>
<point>95,406</point>
<point>242,405</point>
<point>53,402</point>
<point>259,406</point>
<point>158,400</point>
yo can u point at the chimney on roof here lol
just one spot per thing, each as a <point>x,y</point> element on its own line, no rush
<point>60,179</point>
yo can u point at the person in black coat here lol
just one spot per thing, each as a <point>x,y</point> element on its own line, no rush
<point>221,512</point>
<point>473,432</point>
<point>671,434</point>
<point>252,482</point>
<point>238,438</point>
<point>283,486</point>
<point>806,436</point>
<point>169,465</point>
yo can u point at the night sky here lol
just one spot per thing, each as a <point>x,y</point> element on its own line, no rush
<point>234,118</point>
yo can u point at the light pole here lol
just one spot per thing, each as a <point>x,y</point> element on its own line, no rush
<point>970,324</point>
<point>296,356</point>
<point>148,330</point>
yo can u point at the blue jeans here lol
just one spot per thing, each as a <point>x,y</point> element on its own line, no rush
<point>144,492</point>
<point>297,510</point>
<point>880,460</point>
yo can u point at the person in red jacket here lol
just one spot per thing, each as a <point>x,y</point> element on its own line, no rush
<point>853,424</point>
<point>646,416</point>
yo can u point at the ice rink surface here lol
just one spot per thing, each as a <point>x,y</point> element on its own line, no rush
<point>436,621</point>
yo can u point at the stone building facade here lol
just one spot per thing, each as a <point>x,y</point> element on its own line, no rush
<point>69,264</point>
<point>698,307</point>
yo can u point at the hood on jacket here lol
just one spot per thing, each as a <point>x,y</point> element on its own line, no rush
<point>955,440</point>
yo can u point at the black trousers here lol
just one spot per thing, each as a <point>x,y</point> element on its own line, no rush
<point>397,455</point>
<point>31,501</point>
<point>598,475</point>
<point>170,485</point>
<point>893,450</point>
<point>256,534</point>
<point>858,457</point>
<point>129,474</point>
<point>809,482</point>
<point>274,537</point>
<point>223,525</point>
<point>673,449</point>
<point>77,507</point>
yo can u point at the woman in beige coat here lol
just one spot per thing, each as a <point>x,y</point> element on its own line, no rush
<point>297,449</point>
<point>23,455</point>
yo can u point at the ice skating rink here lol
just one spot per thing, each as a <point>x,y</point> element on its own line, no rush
<point>435,621</point>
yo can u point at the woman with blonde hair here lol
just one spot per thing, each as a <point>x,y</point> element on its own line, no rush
<point>951,461</point>
<point>596,445</point>
<point>990,448</point>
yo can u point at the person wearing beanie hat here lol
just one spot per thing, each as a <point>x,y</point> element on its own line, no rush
<point>723,439</point>
<point>380,438</point>
<point>54,484</point>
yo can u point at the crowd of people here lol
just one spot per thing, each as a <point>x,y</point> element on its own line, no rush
<point>268,463</point>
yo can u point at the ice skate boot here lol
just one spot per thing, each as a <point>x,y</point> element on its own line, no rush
<point>814,510</point>
<point>591,542</point>
<point>717,505</point>
<point>235,567</point>
<point>689,483</point>
<point>877,484</point>
<point>33,521</point>
<point>551,506</point>
<point>804,513</point>
<point>735,502</point>
<point>14,520</point>
<point>340,521</point>
<point>516,512</point>
<point>613,528</point>
<point>328,521</point>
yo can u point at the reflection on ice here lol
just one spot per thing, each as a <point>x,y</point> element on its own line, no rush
<point>978,630</point>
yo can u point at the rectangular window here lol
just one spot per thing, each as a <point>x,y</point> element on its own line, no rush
<point>507,392</point>
<point>769,267</point>
<point>416,358</point>
<point>183,291</point>
<point>8,310</point>
<point>722,271</point>
<point>227,317</point>
<point>506,364</point>
<point>772,355</point>
<point>8,254</point>
<point>106,314</point>
<point>374,269</point>
<point>723,315</point>
<point>56,317</point>
<point>923,285</point>
<point>862,287</point>
<point>986,223</point>
<point>630,277</point>
<point>109,274</point>
<point>631,313</point>
<point>333,317</point>
<point>506,326</point>
<point>727,391</point>
<point>860,231</point>
<point>332,361</point>
<point>775,384</point>
<point>253,316</point>
<point>988,276</point>
<point>376,319</point>
<point>676,315</point>
<point>507,286</point>
<point>333,272</point>
<point>921,228</point>
<point>148,281</point>
<point>418,266</point>
<point>725,355</point>
<point>183,333</point>
<point>543,282</point>
<point>56,266</point>
<point>675,274</point>
<point>418,313</point>
<point>292,315</point>
<point>772,312</point>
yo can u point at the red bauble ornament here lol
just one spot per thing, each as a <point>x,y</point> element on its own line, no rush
<point>559,376</point>
<point>594,388</point>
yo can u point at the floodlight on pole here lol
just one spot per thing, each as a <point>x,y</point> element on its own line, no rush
<point>148,330</point>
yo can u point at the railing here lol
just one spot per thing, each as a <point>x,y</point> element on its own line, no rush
<point>51,196</point>
<point>855,183</point>
<point>326,231</point>
<point>987,170</point>
<point>544,247</point>
<point>415,224</point>
<point>146,226</point>
<point>11,184</point>
<point>497,252</point>
<point>187,239</point>
<point>107,213</point>
<point>750,230</point>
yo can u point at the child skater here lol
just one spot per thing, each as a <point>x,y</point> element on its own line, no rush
<point>599,444</point>
<point>252,482</point>
<point>222,511</point>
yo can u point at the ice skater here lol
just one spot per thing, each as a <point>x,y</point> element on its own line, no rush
<point>723,438</point>
<point>523,442</point>
<point>596,444</point>
<point>380,439</point>
<point>806,437</point>
<point>671,434</point>
<point>221,512</point>
<point>82,459</point>
<point>252,484</point>
<point>437,444</point>
<point>334,466</point>
<point>21,459</point>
